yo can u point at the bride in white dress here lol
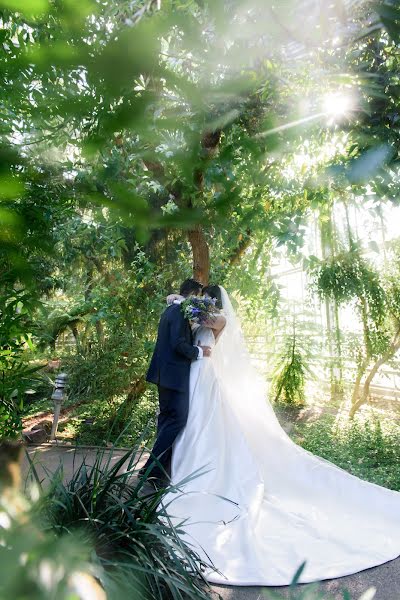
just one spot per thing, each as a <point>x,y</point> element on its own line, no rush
<point>261,505</point>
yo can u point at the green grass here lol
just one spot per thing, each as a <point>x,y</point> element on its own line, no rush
<point>33,407</point>
<point>102,422</point>
<point>368,449</point>
<point>97,423</point>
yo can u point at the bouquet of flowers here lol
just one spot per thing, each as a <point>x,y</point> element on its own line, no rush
<point>199,309</point>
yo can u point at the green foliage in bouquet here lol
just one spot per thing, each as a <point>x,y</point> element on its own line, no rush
<point>198,309</point>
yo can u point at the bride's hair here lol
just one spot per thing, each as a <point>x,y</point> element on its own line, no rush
<point>215,292</point>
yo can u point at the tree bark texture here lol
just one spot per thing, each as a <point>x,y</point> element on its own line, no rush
<point>201,254</point>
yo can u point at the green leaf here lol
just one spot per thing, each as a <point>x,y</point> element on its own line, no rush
<point>27,7</point>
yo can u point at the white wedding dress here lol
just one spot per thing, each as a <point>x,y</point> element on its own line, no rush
<point>262,505</point>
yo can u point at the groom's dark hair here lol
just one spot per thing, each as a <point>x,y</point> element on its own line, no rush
<point>190,286</point>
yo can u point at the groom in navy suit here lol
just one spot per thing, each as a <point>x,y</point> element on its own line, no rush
<point>170,371</point>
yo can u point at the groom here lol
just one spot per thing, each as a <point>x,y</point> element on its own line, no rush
<point>170,370</point>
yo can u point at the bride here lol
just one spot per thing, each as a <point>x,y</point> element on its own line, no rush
<point>259,505</point>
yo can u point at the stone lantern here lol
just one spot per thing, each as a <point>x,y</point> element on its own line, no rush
<point>58,396</point>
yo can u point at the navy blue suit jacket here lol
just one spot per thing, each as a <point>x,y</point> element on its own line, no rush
<point>174,351</point>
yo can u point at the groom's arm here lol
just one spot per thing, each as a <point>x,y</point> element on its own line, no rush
<point>178,341</point>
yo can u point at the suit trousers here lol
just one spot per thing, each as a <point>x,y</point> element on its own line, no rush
<point>174,408</point>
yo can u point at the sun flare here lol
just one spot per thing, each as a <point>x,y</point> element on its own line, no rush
<point>338,104</point>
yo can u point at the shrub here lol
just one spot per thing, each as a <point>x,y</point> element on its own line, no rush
<point>290,375</point>
<point>132,541</point>
<point>370,450</point>
<point>15,373</point>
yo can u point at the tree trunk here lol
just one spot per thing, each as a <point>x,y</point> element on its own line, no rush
<point>210,141</point>
<point>355,396</point>
<point>88,291</point>
<point>244,243</point>
<point>327,251</point>
<point>355,400</point>
<point>100,332</point>
<point>338,391</point>
<point>75,333</point>
<point>393,348</point>
<point>209,144</point>
<point>201,255</point>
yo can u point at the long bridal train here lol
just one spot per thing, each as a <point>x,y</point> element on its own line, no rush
<point>263,505</point>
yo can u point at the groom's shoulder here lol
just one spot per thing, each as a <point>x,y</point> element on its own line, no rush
<point>173,310</point>
<point>170,309</point>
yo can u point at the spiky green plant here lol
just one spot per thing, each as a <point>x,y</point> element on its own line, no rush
<point>290,374</point>
<point>132,535</point>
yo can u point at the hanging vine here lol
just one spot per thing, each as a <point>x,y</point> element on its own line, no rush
<point>348,278</point>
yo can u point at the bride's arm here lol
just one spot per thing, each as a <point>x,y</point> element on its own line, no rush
<point>216,323</point>
<point>172,297</point>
